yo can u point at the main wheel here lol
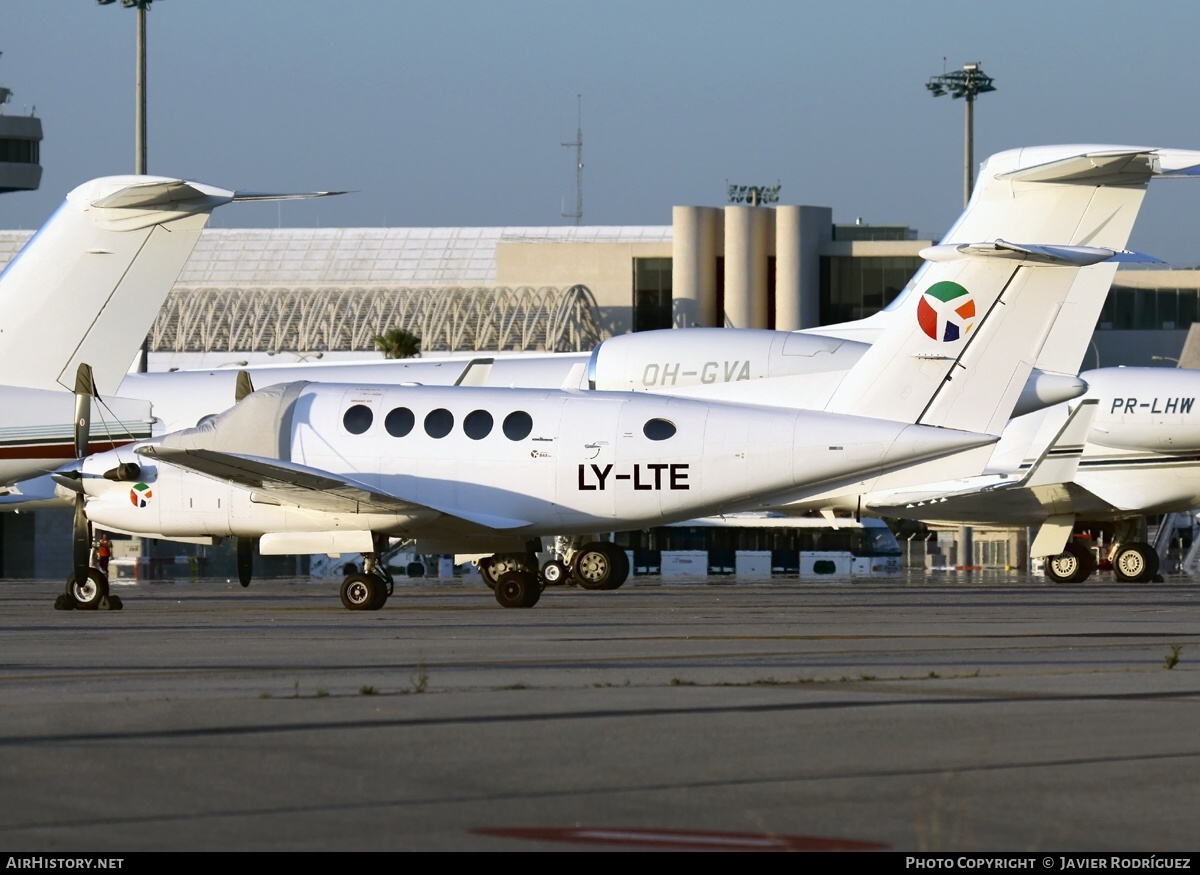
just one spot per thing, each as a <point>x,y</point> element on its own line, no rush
<point>492,568</point>
<point>1073,565</point>
<point>555,573</point>
<point>386,586</point>
<point>1136,562</point>
<point>88,594</point>
<point>620,563</point>
<point>518,589</point>
<point>361,592</point>
<point>594,565</point>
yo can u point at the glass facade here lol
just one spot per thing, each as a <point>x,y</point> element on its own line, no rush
<point>1163,309</point>
<point>854,287</point>
<point>651,293</point>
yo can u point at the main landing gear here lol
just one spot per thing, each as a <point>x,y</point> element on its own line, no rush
<point>369,589</point>
<point>518,582</point>
<point>1132,562</point>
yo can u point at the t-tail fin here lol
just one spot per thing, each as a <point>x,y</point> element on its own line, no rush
<point>89,284</point>
<point>960,356</point>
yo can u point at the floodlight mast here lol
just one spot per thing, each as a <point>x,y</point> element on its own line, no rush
<point>139,118</point>
<point>965,83</point>
<point>139,122</point>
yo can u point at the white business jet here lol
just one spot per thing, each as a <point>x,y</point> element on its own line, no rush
<point>475,470</point>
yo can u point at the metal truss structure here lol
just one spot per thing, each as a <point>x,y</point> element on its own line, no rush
<point>204,318</point>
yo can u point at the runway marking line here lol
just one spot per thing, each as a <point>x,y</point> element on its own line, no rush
<point>693,839</point>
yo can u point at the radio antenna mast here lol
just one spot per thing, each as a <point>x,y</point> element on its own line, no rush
<point>578,144</point>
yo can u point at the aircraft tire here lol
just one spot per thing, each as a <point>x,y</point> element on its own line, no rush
<point>1073,565</point>
<point>88,595</point>
<point>594,565</point>
<point>1136,562</point>
<point>360,592</point>
<point>620,563</point>
<point>555,573</point>
<point>518,589</point>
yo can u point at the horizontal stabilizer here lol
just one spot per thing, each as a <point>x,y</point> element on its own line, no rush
<point>1114,166</point>
<point>1034,254</point>
<point>281,196</point>
<point>156,193</point>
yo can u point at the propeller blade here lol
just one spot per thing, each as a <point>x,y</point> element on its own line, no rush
<point>85,389</point>
<point>244,386</point>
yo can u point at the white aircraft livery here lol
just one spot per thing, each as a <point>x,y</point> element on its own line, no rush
<point>304,467</point>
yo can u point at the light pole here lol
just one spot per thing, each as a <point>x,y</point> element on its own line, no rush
<point>965,83</point>
<point>139,118</point>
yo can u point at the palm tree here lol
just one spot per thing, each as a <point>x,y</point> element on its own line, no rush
<point>397,343</point>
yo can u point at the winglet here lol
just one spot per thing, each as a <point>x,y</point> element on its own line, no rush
<point>1060,458</point>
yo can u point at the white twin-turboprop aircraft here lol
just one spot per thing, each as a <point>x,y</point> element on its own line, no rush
<point>1083,196</point>
<point>306,467</point>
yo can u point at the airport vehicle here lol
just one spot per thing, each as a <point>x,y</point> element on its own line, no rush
<point>478,470</point>
<point>759,545</point>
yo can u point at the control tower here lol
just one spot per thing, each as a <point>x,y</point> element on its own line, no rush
<point>20,148</point>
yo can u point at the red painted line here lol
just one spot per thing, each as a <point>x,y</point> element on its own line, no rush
<point>683,839</point>
<point>57,450</point>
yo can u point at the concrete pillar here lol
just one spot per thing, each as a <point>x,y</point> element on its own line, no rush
<point>695,235</point>
<point>800,232</point>
<point>747,246</point>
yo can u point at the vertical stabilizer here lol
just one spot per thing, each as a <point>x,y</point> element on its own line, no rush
<point>88,285</point>
<point>959,355</point>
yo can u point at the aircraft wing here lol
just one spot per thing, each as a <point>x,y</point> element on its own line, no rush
<point>301,486</point>
<point>1046,489</point>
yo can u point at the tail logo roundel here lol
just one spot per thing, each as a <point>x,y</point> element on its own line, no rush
<point>946,311</point>
<point>140,495</point>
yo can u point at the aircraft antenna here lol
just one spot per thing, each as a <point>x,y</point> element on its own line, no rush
<point>578,144</point>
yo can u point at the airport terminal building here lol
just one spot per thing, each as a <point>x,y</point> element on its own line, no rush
<point>331,290</point>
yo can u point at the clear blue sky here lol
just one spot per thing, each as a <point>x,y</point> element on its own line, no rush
<point>453,113</point>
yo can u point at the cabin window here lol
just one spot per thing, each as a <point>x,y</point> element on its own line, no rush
<point>399,422</point>
<point>478,424</point>
<point>358,419</point>
<point>658,429</point>
<point>518,425</point>
<point>438,423</point>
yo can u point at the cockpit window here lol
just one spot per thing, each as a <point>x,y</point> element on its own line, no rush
<point>438,423</point>
<point>658,429</point>
<point>518,425</point>
<point>399,422</point>
<point>358,419</point>
<point>478,424</point>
